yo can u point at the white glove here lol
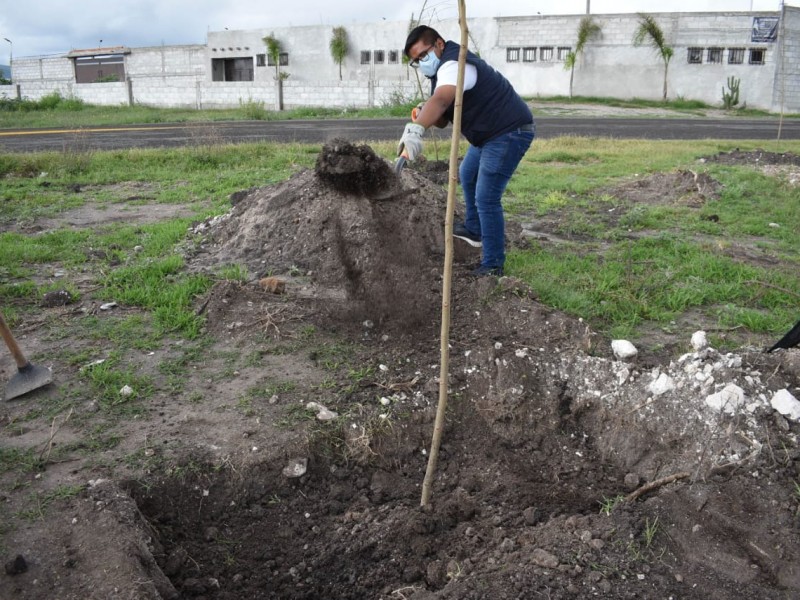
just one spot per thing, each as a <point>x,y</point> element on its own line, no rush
<point>410,144</point>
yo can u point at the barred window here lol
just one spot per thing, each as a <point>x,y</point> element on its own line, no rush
<point>563,51</point>
<point>757,56</point>
<point>735,56</point>
<point>512,54</point>
<point>379,56</point>
<point>695,56</point>
<point>283,60</point>
<point>529,54</point>
<point>546,53</point>
<point>366,57</point>
<point>261,60</point>
<point>714,55</point>
<point>394,57</point>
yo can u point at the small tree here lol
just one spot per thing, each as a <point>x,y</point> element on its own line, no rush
<point>650,32</point>
<point>274,52</point>
<point>339,47</point>
<point>587,29</point>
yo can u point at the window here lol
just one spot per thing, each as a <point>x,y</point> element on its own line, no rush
<point>232,69</point>
<point>261,60</point>
<point>283,59</point>
<point>563,51</point>
<point>512,54</point>
<point>695,56</point>
<point>99,69</point>
<point>379,56</point>
<point>394,57</point>
<point>529,55</point>
<point>735,56</point>
<point>366,57</point>
<point>714,55</point>
<point>546,53</point>
<point>757,56</point>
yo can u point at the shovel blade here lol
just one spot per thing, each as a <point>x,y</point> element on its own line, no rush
<point>27,379</point>
<point>400,164</point>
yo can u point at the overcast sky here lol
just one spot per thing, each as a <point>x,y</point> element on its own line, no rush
<point>42,27</point>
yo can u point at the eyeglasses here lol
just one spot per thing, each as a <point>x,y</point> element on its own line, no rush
<point>415,63</point>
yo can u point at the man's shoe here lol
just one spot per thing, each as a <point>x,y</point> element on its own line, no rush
<point>483,270</point>
<point>462,233</point>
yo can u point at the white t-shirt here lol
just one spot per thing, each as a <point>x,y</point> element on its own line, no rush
<point>448,75</point>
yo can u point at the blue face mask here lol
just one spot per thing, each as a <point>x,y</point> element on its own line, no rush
<point>430,64</point>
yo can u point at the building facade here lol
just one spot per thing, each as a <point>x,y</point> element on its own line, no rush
<point>760,50</point>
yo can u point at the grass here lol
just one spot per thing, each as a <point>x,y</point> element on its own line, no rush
<point>56,111</point>
<point>677,104</point>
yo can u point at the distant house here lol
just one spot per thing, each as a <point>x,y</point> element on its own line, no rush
<point>760,49</point>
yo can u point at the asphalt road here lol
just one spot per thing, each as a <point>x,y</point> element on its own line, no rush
<point>360,130</point>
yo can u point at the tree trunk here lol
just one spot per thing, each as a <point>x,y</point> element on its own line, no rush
<point>571,76</point>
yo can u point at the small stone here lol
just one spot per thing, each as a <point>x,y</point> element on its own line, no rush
<point>16,566</point>
<point>662,385</point>
<point>542,558</point>
<point>108,306</point>
<point>531,515</point>
<point>728,400</point>
<point>786,404</point>
<point>631,481</point>
<point>297,467</point>
<point>274,285</point>
<point>323,413</point>
<point>597,544</point>
<point>623,349</point>
<point>126,390</point>
<point>699,340</point>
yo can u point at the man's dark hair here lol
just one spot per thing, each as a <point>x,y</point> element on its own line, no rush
<point>427,34</point>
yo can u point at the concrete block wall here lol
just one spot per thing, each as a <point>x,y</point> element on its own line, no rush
<point>786,86</point>
<point>610,66</point>
<point>163,61</point>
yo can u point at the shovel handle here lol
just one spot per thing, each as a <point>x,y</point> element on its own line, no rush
<point>12,344</point>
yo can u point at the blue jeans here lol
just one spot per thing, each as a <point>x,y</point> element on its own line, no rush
<point>485,173</point>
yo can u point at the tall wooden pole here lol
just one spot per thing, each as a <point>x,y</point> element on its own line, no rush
<point>438,426</point>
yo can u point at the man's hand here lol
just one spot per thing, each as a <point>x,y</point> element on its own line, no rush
<point>410,144</point>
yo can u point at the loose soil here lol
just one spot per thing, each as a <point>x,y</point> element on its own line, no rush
<point>230,485</point>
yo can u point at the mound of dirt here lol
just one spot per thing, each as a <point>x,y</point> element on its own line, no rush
<point>366,243</point>
<point>755,158</point>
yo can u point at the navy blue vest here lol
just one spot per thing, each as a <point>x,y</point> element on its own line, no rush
<point>492,107</point>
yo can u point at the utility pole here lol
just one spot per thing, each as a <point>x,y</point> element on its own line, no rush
<point>10,59</point>
<point>588,2</point>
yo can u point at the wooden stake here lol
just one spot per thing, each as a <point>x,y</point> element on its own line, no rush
<point>438,426</point>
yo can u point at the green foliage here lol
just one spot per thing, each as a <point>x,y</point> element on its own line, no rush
<point>50,102</point>
<point>649,31</point>
<point>274,48</point>
<point>587,29</point>
<point>339,47</point>
<point>253,110</point>
<point>730,98</point>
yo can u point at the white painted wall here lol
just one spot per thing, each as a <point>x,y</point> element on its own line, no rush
<point>181,76</point>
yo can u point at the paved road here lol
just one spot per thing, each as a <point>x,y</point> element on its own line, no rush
<point>318,131</point>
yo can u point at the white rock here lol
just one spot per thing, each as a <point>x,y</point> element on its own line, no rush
<point>785,403</point>
<point>662,385</point>
<point>323,413</point>
<point>699,340</point>
<point>108,305</point>
<point>126,390</point>
<point>623,349</point>
<point>297,467</point>
<point>728,400</point>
